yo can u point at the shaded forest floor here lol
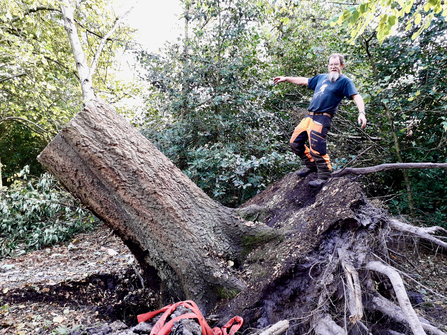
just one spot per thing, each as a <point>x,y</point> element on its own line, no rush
<point>90,280</point>
<point>93,279</point>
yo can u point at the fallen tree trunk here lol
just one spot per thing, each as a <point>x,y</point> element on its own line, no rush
<point>168,222</point>
<point>290,253</point>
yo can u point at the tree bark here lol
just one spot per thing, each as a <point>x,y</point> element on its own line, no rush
<point>164,218</point>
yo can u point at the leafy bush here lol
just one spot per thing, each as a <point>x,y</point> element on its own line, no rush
<point>38,213</point>
<point>231,159</point>
<point>232,178</point>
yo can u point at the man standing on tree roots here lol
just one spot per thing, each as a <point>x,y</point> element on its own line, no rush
<point>330,89</point>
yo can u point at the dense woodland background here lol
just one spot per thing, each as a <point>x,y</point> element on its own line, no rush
<point>210,104</point>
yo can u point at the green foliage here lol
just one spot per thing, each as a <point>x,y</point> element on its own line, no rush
<point>215,69</point>
<point>211,108</point>
<point>408,106</point>
<point>205,106</point>
<point>385,16</point>
<point>231,163</point>
<point>38,212</point>
<point>19,146</point>
<point>39,87</point>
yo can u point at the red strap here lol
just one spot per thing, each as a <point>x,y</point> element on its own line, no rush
<point>163,328</point>
<point>150,315</point>
<point>166,329</point>
<point>235,323</point>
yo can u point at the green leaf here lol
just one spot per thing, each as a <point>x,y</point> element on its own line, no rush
<point>392,20</point>
<point>418,19</point>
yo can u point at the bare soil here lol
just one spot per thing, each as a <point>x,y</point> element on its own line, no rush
<point>89,281</point>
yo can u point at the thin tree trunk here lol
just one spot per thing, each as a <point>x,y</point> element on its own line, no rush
<point>399,157</point>
<point>85,75</point>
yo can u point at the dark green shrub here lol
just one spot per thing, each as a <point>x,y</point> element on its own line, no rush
<point>38,212</point>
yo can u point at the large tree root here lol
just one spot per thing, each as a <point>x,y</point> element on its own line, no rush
<point>386,307</point>
<point>401,295</point>
<point>354,292</point>
<point>352,258</point>
<point>327,326</point>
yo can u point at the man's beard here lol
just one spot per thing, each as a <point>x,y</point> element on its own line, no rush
<point>333,76</point>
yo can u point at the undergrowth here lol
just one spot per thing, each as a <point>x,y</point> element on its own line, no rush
<point>38,212</point>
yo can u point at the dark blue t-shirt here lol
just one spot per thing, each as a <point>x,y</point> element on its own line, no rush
<point>328,95</point>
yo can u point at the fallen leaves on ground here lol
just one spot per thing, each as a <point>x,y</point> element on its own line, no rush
<point>89,280</point>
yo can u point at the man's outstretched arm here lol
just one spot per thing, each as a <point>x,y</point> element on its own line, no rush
<point>361,107</point>
<point>293,80</point>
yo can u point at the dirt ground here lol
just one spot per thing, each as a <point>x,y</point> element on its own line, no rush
<point>90,280</point>
<point>93,279</point>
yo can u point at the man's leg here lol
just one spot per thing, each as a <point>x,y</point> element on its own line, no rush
<point>317,137</point>
<point>297,145</point>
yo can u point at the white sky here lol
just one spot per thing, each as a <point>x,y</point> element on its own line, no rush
<point>157,21</point>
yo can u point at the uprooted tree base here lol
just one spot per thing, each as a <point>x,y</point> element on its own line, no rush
<point>317,257</point>
<point>331,272</point>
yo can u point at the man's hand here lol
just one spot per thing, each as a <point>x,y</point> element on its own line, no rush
<point>279,79</point>
<point>362,119</point>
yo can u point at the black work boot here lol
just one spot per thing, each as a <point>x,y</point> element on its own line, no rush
<point>317,182</point>
<point>324,173</point>
<point>309,167</point>
<point>305,171</point>
<point>322,178</point>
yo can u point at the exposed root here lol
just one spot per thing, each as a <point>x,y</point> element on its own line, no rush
<point>424,233</point>
<point>324,325</point>
<point>401,294</point>
<point>277,329</point>
<point>386,307</point>
<point>354,292</point>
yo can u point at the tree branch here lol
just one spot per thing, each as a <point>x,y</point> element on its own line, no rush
<point>401,294</point>
<point>12,77</point>
<point>103,41</point>
<point>419,231</point>
<point>24,121</point>
<point>387,167</point>
<point>32,10</point>
<point>61,65</point>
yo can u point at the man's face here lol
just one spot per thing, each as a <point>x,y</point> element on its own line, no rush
<point>334,65</point>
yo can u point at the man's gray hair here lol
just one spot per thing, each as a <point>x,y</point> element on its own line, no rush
<point>339,56</point>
